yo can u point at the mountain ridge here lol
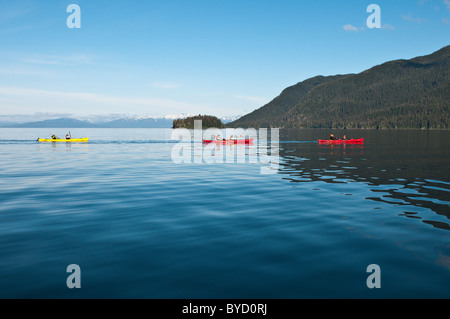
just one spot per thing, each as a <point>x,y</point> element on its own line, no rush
<point>74,123</point>
<point>412,93</point>
<point>125,122</point>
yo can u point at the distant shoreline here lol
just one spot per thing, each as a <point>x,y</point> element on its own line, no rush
<point>281,128</point>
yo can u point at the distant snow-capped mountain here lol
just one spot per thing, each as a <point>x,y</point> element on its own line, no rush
<point>108,121</point>
<point>224,119</point>
<point>228,119</point>
<point>178,116</point>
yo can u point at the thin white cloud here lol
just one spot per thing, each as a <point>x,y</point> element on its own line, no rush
<point>387,27</point>
<point>350,28</point>
<point>14,10</point>
<point>25,71</point>
<point>28,100</point>
<point>83,96</point>
<point>47,59</point>
<point>166,85</point>
<point>411,18</point>
<point>38,116</point>
<point>15,71</point>
<point>447,4</point>
<point>446,21</point>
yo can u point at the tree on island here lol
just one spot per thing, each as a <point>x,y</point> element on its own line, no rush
<point>208,121</point>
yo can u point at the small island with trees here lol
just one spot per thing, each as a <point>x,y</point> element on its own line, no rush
<point>208,121</point>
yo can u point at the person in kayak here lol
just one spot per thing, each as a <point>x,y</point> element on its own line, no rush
<point>54,137</point>
<point>344,137</point>
<point>68,136</point>
<point>219,138</point>
<point>332,138</point>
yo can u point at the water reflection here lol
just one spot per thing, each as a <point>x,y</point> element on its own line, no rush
<point>407,168</point>
<point>63,146</point>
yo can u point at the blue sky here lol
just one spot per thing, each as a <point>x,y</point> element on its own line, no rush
<point>195,56</point>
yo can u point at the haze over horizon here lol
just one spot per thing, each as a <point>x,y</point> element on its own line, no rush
<point>155,58</point>
<point>94,118</point>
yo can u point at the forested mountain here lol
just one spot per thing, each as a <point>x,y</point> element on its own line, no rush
<point>398,94</point>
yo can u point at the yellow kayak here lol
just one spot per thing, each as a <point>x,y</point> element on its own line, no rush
<point>84,139</point>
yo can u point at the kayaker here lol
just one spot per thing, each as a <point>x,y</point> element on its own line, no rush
<point>232,137</point>
<point>54,137</point>
<point>344,137</point>
<point>68,136</point>
<point>332,138</point>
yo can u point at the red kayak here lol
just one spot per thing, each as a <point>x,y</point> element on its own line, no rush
<point>349,141</point>
<point>246,141</point>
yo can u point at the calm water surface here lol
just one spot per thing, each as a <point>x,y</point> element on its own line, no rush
<point>141,225</point>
